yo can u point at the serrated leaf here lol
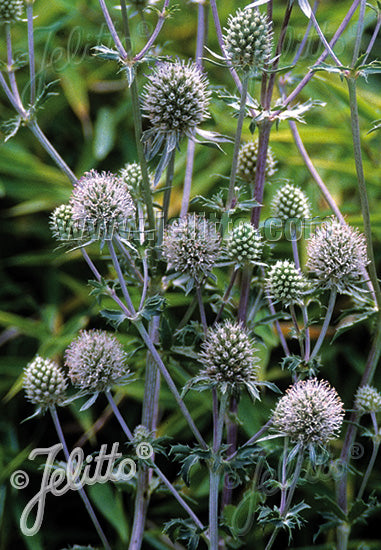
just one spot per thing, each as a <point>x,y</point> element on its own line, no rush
<point>105,53</point>
<point>114,316</point>
<point>305,7</point>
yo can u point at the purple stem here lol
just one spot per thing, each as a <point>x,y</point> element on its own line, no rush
<point>155,33</point>
<point>112,29</point>
<point>32,69</point>
<point>373,39</point>
<point>323,56</point>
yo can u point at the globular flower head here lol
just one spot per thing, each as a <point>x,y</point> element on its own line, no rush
<point>175,100</point>
<point>245,244</point>
<point>96,360</point>
<point>247,161</point>
<point>368,399</point>
<point>337,256</point>
<point>229,358</point>
<point>310,412</point>
<point>44,383</point>
<point>101,204</point>
<point>62,225</point>
<point>132,176</point>
<point>11,10</point>
<point>248,39</point>
<point>285,283</point>
<point>191,245</point>
<point>290,202</point>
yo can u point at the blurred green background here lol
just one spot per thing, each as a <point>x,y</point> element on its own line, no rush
<point>44,293</point>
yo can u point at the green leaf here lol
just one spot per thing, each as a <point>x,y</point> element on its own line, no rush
<point>154,305</point>
<point>114,316</point>
<point>110,504</point>
<point>184,530</point>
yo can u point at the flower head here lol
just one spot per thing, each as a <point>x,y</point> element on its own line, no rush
<point>44,383</point>
<point>248,39</point>
<point>368,399</point>
<point>247,161</point>
<point>62,225</point>
<point>229,358</point>
<point>337,256</point>
<point>310,412</point>
<point>95,360</point>
<point>290,202</point>
<point>191,245</point>
<point>285,283</point>
<point>102,204</point>
<point>245,244</point>
<point>175,101</point>
<point>11,10</point>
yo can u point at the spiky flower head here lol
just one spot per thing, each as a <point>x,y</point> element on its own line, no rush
<point>285,283</point>
<point>11,10</point>
<point>229,358</point>
<point>247,161</point>
<point>191,245</point>
<point>290,202</point>
<point>44,383</point>
<point>132,176</point>
<point>141,434</point>
<point>368,399</point>
<point>102,204</point>
<point>245,244</point>
<point>96,360</point>
<point>175,100</point>
<point>337,256</point>
<point>62,225</point>
<point>248,39</point>
<point>310,412</point>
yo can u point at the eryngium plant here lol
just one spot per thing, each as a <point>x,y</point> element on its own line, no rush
<point>175,101</point>
<point>247,162</point>
<point>102,205</point>
<point>285,283</point>
<point>191,245</point>
<point>248,40</point>
<point>368,399</point>
<point>310,412</point>
<point>229,359</point>
<point>62,225</point>
<point>245,245</point>
<point>337,257</point>
<point>96,360</point>
<point>44,383</point>
<point>290,202</point>
<point>11,10</point>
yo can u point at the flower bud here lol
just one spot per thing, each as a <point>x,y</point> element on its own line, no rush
<point>247,162</point>
<point>285,283</point>
<point>11,10</point>
<point>44,383</point>
<point>245,244</point>
<point>368,399</point>
<point>290,202</point>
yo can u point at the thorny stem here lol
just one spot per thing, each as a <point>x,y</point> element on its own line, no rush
<point>81,490</point>
<point>32,68</point>
<point>237,141</point>
<point>327,319</point>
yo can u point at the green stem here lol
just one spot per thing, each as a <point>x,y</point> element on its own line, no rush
<point>237,142</point>
<point>327,319</point>
<point>355,124</point>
